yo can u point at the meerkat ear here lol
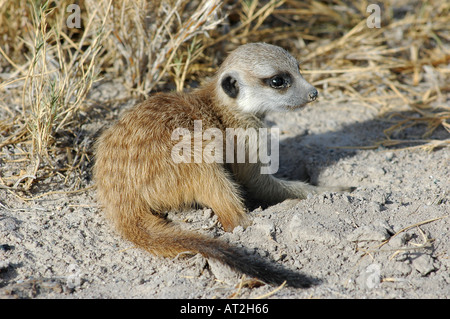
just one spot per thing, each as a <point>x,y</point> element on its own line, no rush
<point>230,86</point>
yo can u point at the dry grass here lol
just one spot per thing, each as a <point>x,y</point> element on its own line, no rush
<point>47,68</point>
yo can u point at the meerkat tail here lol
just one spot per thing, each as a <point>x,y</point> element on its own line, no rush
<point>160,237</point>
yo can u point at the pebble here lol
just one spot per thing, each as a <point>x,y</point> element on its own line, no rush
<point>389,156</point>
<point>423,263</point>
<point>370,277</point>
<point>266,228</point>
<point>400,240</point>
<point>375,232</point>
<point>208,213</point>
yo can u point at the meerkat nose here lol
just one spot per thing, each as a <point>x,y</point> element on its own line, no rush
<point>313,95</point>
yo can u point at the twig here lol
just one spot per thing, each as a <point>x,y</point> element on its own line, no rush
<point>272,292</point>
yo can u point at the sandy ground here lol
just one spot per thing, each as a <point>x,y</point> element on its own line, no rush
<point>387,239</point>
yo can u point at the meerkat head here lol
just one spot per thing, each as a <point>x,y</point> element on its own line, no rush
<point>260,77</point>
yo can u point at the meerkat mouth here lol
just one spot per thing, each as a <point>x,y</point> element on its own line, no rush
<point>296,107</point>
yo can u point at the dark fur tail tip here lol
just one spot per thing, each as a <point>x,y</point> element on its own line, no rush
<point>292,279</point>
<point>255,266</point>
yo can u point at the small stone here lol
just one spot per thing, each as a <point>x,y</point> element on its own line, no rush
<point>389,156</point>
<point>370,277</point>
<point>423,263</point>
<point>369,233</point>
<point>399,240</point>
<point>266,228</point>
<point>208,213</point>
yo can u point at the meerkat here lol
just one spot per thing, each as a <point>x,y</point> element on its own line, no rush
<point>138,181</point>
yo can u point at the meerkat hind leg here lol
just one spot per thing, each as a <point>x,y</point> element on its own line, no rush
<point>219,192</point>
<point>270,189</point>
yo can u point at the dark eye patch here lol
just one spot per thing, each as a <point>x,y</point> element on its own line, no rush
<point>279,81</point>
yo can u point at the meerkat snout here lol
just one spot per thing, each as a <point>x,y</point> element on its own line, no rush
<point>313,95</point>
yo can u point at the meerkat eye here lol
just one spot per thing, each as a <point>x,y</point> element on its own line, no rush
<point>277,81</point>
<point>280,81</point>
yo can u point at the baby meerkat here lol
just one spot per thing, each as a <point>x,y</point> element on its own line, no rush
<point>138,178</point>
